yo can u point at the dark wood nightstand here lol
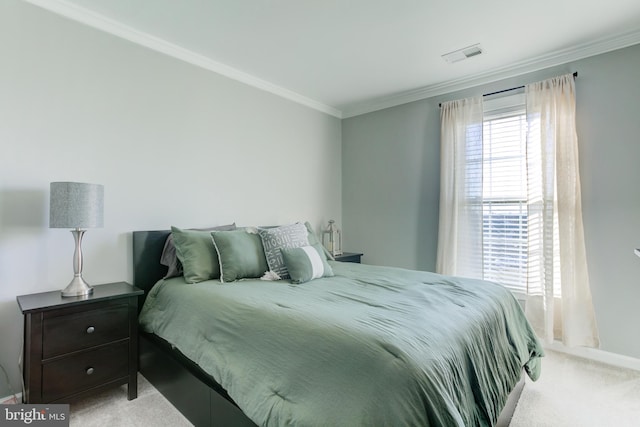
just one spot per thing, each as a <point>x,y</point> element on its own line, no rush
<point>78,346</point>
<point>349,257</point>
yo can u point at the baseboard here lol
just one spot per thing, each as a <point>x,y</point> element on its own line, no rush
<point>11,399</point>
<point>614,359</point>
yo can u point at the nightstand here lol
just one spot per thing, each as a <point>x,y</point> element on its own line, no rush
<point>78,346</point>
<point>349,257</point>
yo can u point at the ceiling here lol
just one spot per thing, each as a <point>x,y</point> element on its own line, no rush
<point>346,57</point>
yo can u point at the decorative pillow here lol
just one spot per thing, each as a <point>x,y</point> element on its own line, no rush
<point>169,257</point>
<point>274,239</point>
<point>306,263</point>
<point>313,239</point>
<point>197,254</point>
<point>240,253</point>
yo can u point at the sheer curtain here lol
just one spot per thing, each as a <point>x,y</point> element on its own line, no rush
<point>460,226</point>
<point>559,302</point>
<point>558,296</point>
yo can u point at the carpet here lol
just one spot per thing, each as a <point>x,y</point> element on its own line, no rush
<point>573,392</point>
<point>112,409</point>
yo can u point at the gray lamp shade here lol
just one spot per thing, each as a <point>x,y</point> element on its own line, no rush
<point>76,205</point>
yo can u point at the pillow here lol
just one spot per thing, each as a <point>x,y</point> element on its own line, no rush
<point>313,239</point>
<point>240,253</point>
<point>169,257</point>
<point>306,263</point>
<point>197,254</point>
<point>286,236</point>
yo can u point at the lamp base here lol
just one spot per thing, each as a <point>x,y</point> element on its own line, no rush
<point>77,288</point>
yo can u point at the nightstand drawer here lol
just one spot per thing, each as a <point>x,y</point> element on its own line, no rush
<point>84,329</point>
<point>82,371</point>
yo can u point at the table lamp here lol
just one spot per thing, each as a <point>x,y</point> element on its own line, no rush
<point>76,205</point>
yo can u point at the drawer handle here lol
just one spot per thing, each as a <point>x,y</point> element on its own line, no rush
<point>90,329</point>
<point>89,371</point>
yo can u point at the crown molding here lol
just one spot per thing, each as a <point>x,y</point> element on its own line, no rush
<point>558,57</point>
<point>101,22</point>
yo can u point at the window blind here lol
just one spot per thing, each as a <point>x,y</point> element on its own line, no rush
<point>504,194</point>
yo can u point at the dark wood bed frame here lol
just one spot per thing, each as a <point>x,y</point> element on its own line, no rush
<point>191,390</point>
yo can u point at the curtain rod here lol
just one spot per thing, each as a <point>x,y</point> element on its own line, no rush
<point>575,74</point>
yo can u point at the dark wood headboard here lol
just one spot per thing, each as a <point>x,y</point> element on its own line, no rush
<point>147,249</point>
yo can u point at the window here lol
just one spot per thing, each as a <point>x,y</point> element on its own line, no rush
<point>508,207</point>
<point>497,187</point>
<point>504,192</point>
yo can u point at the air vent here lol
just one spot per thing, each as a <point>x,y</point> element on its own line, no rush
<point>464,53</point>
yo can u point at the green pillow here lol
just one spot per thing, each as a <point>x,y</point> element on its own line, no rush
<point>274,239</point>
<point>313,239</point>
<point>197,254</point>
<point>240,253</point>
<point>169,257</point>
<point>306,263</point>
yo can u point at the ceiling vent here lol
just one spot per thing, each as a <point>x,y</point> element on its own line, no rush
<point>462,54</point>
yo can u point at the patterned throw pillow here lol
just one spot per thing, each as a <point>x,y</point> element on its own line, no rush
<point>275,239</point>
<point>306,263</point>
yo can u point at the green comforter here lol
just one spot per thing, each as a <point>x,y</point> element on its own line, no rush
<point>372,346</point>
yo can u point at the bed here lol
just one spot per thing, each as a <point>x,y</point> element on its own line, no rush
<point>368,346</point>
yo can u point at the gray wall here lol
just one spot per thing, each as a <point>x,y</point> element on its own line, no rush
<point>172,143</point>
<point>391,184</point>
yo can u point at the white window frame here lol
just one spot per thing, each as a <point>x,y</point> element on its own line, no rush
<point>514,278</point>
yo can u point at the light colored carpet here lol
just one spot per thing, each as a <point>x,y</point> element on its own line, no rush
<point>112,409</point>
<point>571,392</point>
<point>579,392</point>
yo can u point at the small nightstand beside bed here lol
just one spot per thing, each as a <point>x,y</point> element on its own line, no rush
<point>78,346</point>
<point>369,345</point>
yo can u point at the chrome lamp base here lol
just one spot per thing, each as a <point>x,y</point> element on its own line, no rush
<point>77,287</point>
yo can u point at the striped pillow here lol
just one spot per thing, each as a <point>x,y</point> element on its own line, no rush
<point>306,263</point>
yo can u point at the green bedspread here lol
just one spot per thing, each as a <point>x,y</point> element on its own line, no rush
<point>372,346</point>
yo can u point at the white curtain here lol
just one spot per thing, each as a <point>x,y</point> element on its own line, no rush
<point>558,296</point>
<point>460,226</point>
<point>559,302</point>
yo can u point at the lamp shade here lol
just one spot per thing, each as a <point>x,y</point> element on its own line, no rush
<point>76,205</point>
